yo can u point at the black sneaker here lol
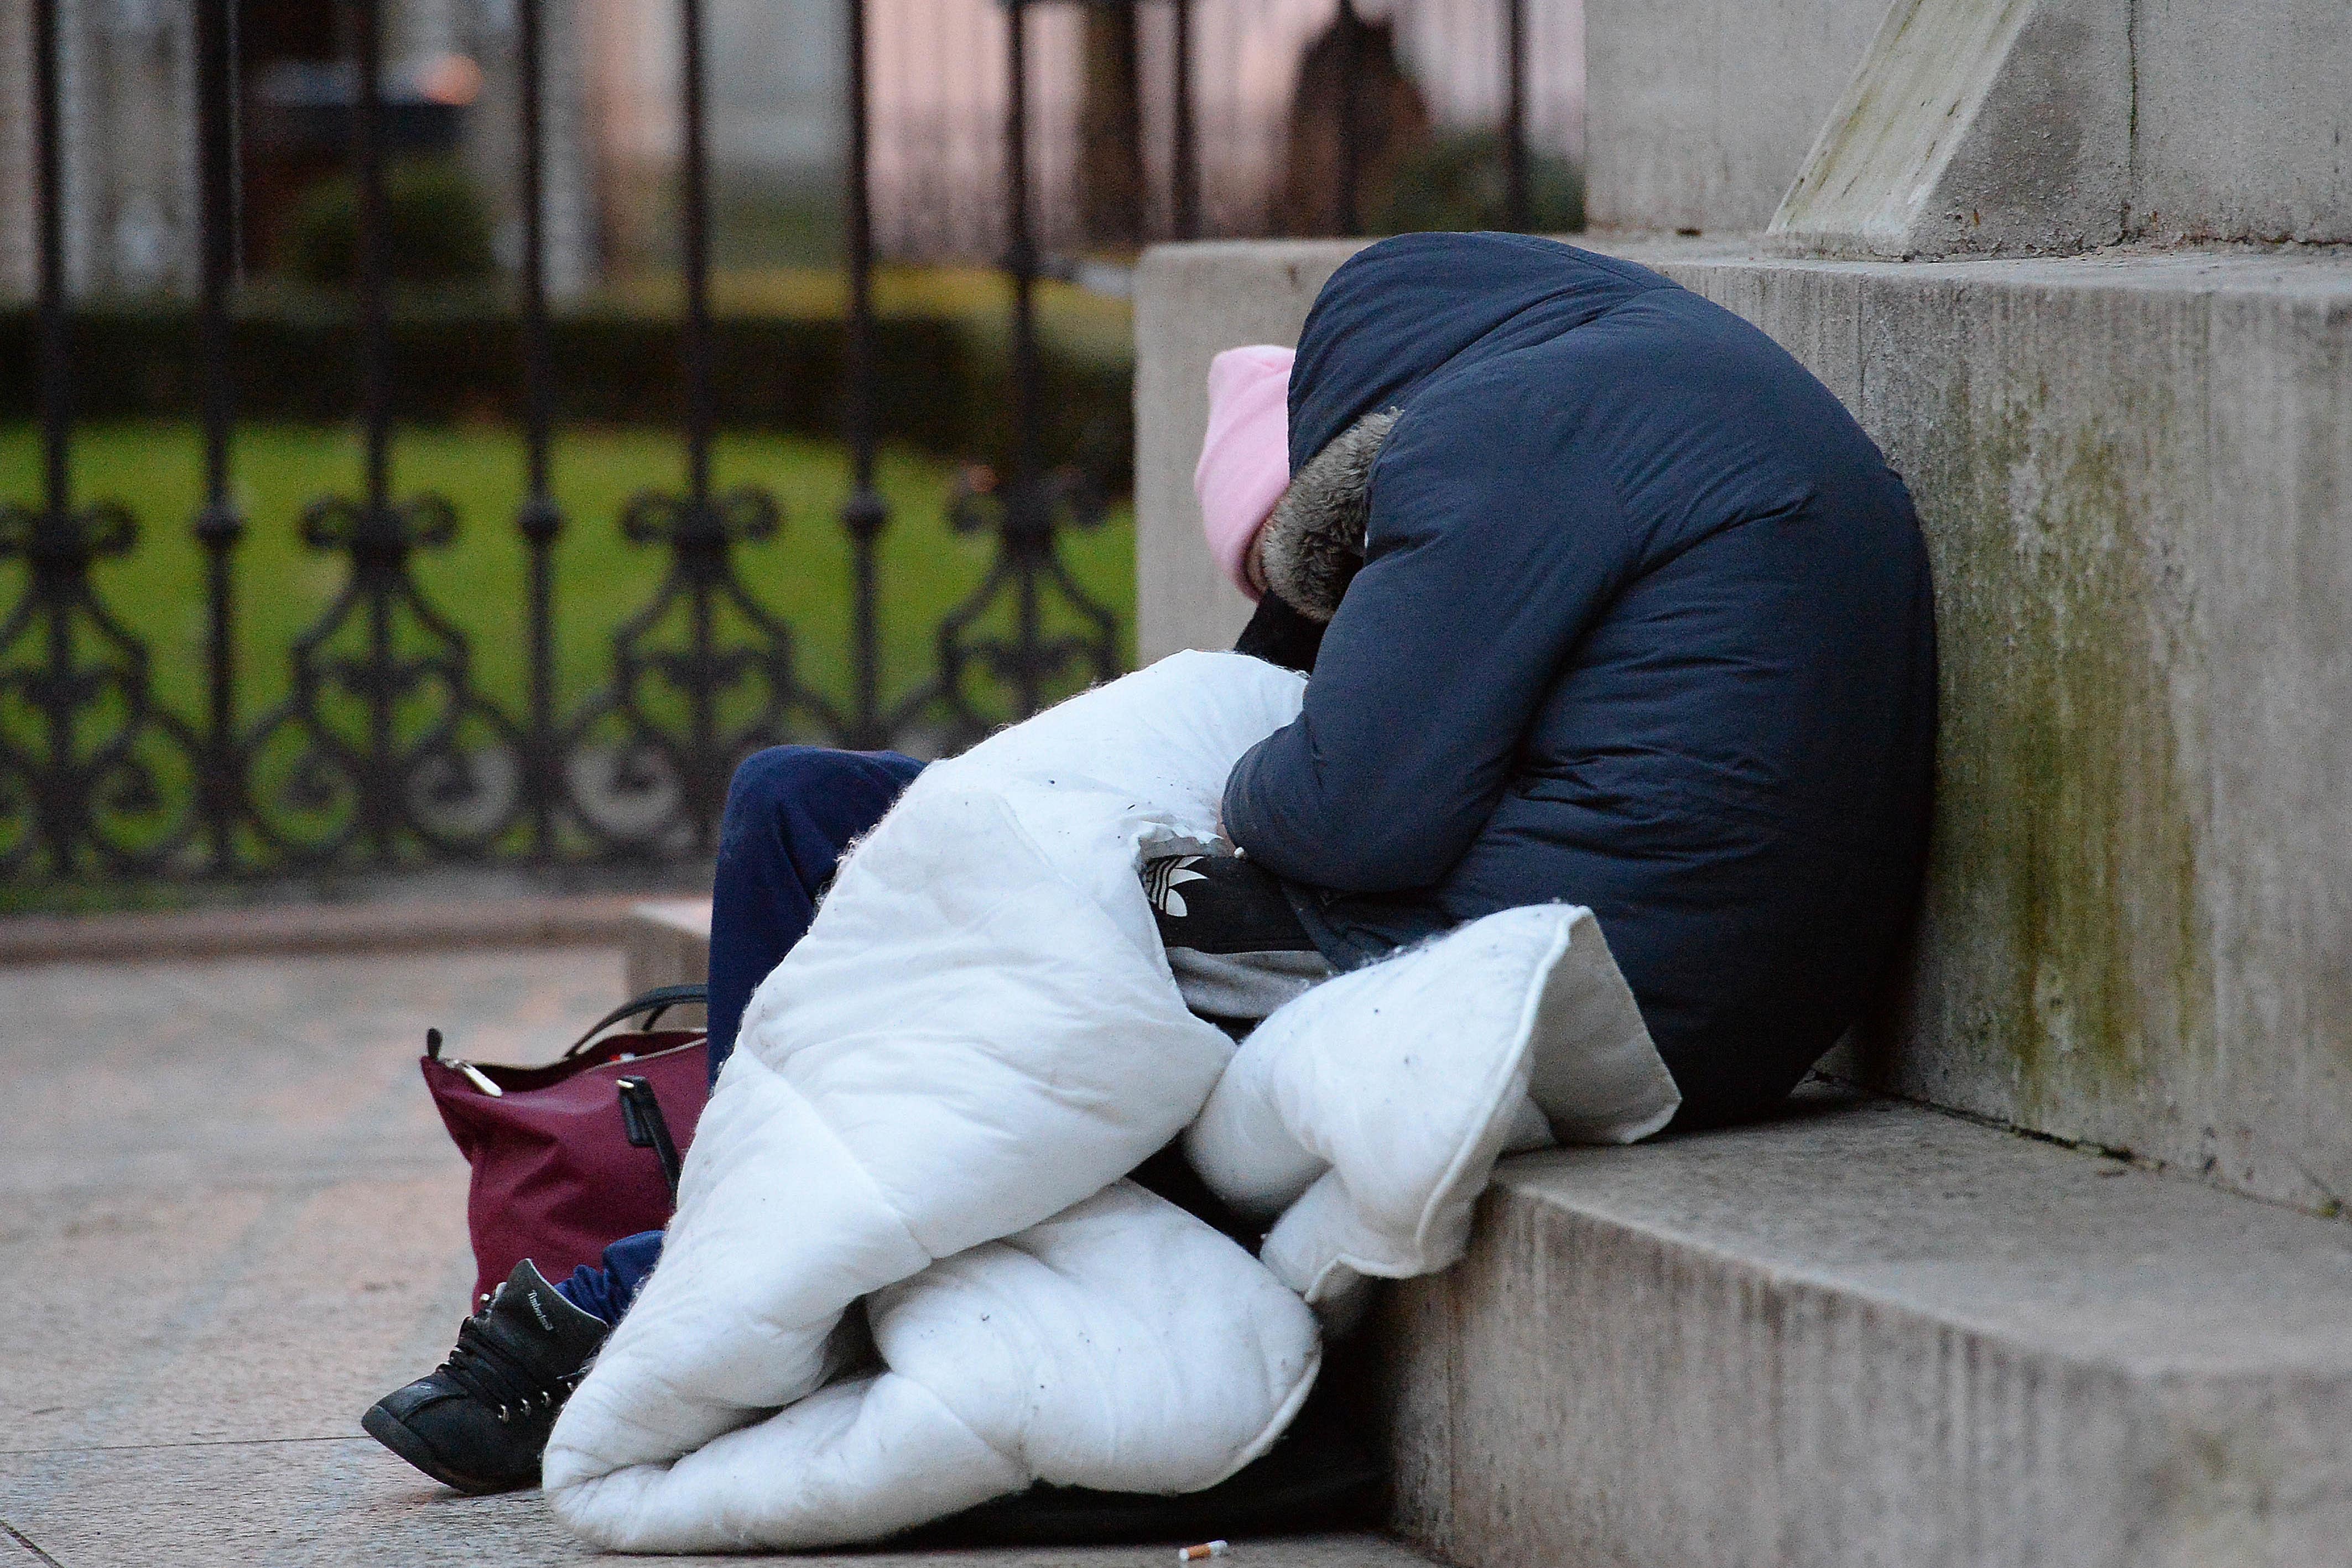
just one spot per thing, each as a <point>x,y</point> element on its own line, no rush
<point>480,1422</point>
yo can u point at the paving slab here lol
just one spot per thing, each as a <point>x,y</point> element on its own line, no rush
<point>230,1219</point>
<point>346,1501</point>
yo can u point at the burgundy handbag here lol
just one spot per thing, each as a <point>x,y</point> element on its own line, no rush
<point>571,1158</point>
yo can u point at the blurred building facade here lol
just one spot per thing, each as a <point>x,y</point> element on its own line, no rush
<point>126,93</point>
<point>1101,101</point>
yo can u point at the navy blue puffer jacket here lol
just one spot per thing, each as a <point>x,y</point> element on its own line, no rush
<point>1643,624</point>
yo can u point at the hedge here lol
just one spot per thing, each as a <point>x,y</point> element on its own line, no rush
<point>942,387</point>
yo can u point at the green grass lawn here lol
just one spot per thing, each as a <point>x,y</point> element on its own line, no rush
<point>802,576</point>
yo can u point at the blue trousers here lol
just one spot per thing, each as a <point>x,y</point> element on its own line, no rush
<point>790,811</point>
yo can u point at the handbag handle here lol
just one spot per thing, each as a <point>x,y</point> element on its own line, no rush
<point>652,1004</point>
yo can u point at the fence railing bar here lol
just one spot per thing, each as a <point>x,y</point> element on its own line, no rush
<point>1028,519</point>
<point>374,307</point>
<point>375,527</point>
<point>540,520</point>
<point>1352,116</point>
<point>1519,199</point>
<point>694,200</point>
<point>1184,152</point>
<point>51,531</point>
<point>220,524</point>
<point>699,520</point>
<point>56,351</point>
<point>865,514</point>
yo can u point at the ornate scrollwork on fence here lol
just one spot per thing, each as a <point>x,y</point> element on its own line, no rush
<point>702,676</point>
<point>385,746</point>
<point>89,768</point>
<point>1028,633</point>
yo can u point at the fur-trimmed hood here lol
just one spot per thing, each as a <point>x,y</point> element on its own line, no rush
<point>1314,541</point>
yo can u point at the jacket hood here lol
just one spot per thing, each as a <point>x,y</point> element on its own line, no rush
<point>1404,310</point>
<point>1390,323</point>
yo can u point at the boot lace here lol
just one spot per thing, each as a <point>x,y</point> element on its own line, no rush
<point>497,1377</point>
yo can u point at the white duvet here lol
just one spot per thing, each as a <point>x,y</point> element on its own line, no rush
<point>905,1275</point>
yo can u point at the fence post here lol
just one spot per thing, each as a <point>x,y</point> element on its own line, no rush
<point>865,514</point>
<point>1184,155</point>
<point>220,525</point>
<point>1028,520</point>
<point>50,545</point>
<point>1517,198</point>
<point>1352,168</point>
<point>539,520</point>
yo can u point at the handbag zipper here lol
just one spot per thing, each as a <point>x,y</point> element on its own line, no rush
<point>481,1080</point>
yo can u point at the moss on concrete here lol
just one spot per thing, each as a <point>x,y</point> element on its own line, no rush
<point>2072,819</point>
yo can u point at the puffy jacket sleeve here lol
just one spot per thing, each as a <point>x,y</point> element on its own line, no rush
<point>1495,546</point>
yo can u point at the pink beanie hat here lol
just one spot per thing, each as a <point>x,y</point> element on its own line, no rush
<point>1244,464</point>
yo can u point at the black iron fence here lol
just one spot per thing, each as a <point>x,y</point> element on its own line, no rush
<point>386,750</point>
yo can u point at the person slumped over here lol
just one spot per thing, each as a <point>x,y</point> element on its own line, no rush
<point>1603,598</point>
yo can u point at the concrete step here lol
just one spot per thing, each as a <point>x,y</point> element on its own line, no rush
<point>1867,1333</point>
<point>1874,1333</point>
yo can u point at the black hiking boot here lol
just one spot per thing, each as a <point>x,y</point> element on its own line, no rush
<point>480,1422</point>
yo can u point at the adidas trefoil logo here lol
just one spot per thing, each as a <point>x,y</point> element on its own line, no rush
<point>1161,878</point>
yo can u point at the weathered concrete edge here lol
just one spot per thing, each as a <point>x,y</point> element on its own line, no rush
<point>1592,1386</point>
<point>2295,271</point>
<point>1486,1475</point>
<point>589,920</point>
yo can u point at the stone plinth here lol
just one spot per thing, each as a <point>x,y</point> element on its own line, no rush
<point>1698,114</point>
<point>1980,126</point>
<point>2135,476</point>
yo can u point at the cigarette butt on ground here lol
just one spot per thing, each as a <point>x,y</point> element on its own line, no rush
<point>1205,1550</point>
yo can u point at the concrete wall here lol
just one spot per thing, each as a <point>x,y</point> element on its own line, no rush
<point>1699,113</point>
<point>2244,120</point>
<point>2136,483</point>
<point>126,90</point>
<point>1975,127</point>
<point>2047,127</point>
<point>2135,476</point>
